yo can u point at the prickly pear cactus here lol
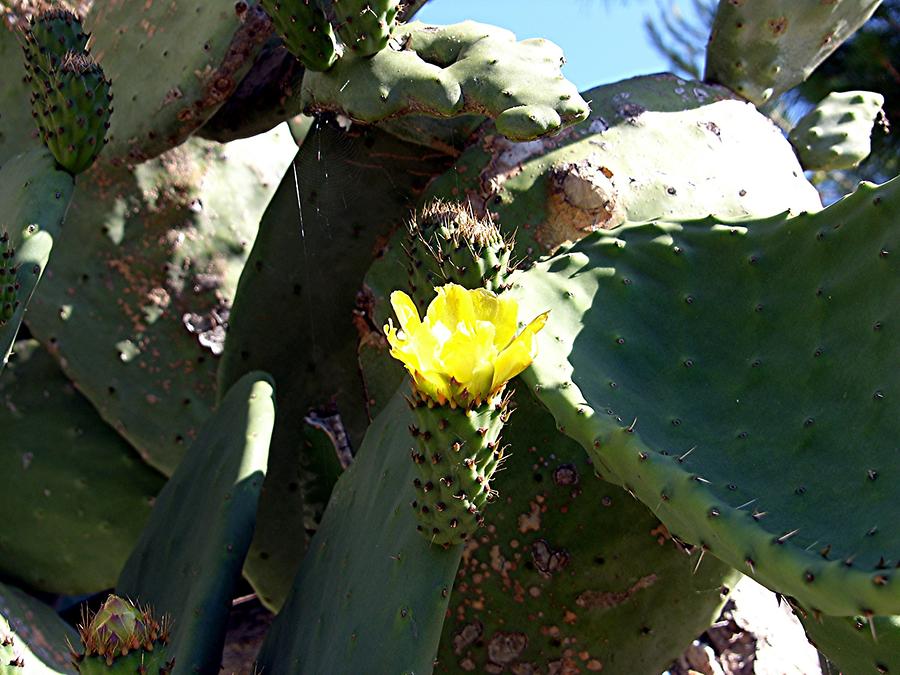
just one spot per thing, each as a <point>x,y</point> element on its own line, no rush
<point>33,638</point>
<point>76,496</point>
<point>121,637</point>
<point>189,558</point>
<point>364,26</point>
<point>447,71</point>
<point>762,48</point>
<point>50,37</point>
<point>837,133</point>
<point>305,30</point>
<point>17,129</point>
<point>34,197</point>
<point>855,644</point>
<point>140,327</point>
<point>327,625</point>
<point>734,423</point>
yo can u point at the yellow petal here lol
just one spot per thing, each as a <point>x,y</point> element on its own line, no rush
<point>406,311</point>
<point>452,306</point>
<point>518,355</point>
<point>468,359</point>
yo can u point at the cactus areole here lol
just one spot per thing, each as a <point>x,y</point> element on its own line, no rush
<point>460,357</point>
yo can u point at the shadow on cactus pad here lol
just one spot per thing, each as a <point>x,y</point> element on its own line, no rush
<point>740,378</point>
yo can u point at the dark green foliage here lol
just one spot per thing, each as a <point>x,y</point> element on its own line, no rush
<point>305,30</point>
<point>190,555</point>
<point>33,639</point>
<point>75,495</point>
<point>308,263</point>
<point>371,594</point>
<point>734,376</point>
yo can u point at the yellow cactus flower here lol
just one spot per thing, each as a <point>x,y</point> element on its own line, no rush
<point>466,349</point>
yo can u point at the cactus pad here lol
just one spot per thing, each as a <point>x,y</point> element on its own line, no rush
<point>50,36</point>
<point>379,612</point>
<point>142,281</point>
<point>189,557</point>
<point>34,196</point>
<point>447,71</point>
<point>33,639</point>
<point>305,30</point>
<point>736,377</point>
<point>762,48</point>
<point>173,64</point>
<point>856,644</point>
<point>837,133</point>
<point>364,25</point>
<point>76,495</point>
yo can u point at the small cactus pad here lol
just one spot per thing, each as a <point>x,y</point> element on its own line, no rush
<point>74,110</point>
<point>737,377</point>
<point>75,496</point>
<point>447,71</point>
<point>305,30</point>
<point>762,48</point>
<point>173,64</point>
<point>189,557</point>
<point>34,640</point>
<point>447,243</point>
<point>566,560</point>
<point>855,644</point>
<point>371,593</point>
<point>121,637</point>
<point>456,453</point>
<point>50,36</point>
<point>837,133</point>
<point>313,359</point>
<point>34,196</point>
<point>135,308</point>
<point>364,25</point>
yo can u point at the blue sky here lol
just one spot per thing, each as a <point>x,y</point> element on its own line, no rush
<point>604,40</point>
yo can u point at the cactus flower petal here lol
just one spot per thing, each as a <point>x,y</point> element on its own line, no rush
<point>518,355</point>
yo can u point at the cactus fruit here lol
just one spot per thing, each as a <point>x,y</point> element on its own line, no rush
<point>762,48</point>
<point>74,111</point>
<point>837,133</point>
<point>448,243</point>
<point>447,71</point>
<point>364,26</point>
<point>34,640</point>
<point>121,637</point>
<point>749,368</point>
<point>50,36</point>
<point>9,284</point>
<point>377,612</point>
<point>305,30</point>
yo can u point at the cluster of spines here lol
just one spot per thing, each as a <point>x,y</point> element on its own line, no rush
<point>9,287</point>
<point>119,629</point>
<point>457,452</point>
<point>70,96</point>
<point>306,32</point>
<point>448,243</point>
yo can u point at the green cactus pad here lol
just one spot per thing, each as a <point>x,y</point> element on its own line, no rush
<point>447,243</point>
<point>142,280</point>
<point>568,560</point>
<point>189,557</point>
<point>364,25</point>
<point>762,48</point>
<point>76,496</point>
<point>173,64</point>
<point>856,644</point>
<point>33,639</point>
<point>73,112</point>
<point>837,133</point>
<point>305,30</point>
<point>446,71</point>
<point>736,377</point>
<point>457,453</point>
<point>121,637</point>
<point>17,130</point>
<point>50,36</point>
<point>380,612</point>
<point>34,196</point>
<point>308,262</point>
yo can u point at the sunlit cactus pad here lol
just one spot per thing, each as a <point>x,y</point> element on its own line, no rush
<point>741,379</point>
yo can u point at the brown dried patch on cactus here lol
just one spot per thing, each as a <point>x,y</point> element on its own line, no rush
<point>605,599</point>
